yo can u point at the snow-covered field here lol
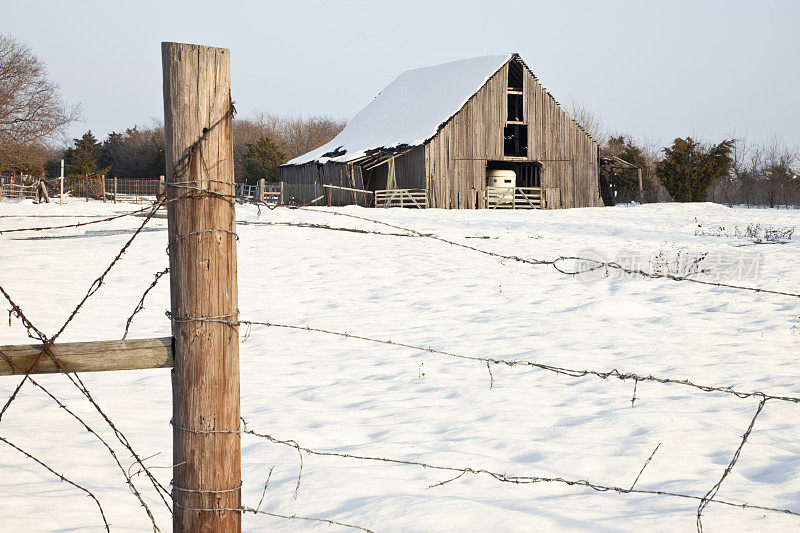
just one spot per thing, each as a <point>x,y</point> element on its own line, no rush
<point>336,394</point>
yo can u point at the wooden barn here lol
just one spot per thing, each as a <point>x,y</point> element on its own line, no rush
<point>476,133</point>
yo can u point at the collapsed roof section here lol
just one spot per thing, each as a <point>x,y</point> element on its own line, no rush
<point>408,112</point>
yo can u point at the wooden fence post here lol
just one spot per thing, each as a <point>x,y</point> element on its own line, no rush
<point>61,186</point>
<point>103,186</point>
<point>202,246</point>
<point>160,185</point>
<point>281,193</point>
<point>262,183</point>
<point>115,189</point>
<point>641,189</point>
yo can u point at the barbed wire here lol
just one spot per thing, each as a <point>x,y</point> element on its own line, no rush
<point>712,493</point>
<point>555,262</point>
<point>571,372</point>
<point>62,477</point>
<point>140,305</point>
<point>505,478</point>
<point>61,405</point>
<point>47,341</point>
<point>78,224</point>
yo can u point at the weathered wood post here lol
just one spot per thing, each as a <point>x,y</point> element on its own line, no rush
<point>160,186</point>
<point>202,259</point>
<point>103,186</point>
<point>641,189</point>
<point>281,193</point>
<point>115,189</point>
<point>262,183</point>
<point>61,185</point>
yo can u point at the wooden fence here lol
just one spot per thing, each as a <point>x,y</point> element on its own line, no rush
<point>513,198</point>
<point>18,188</point>
<point>402,198</point>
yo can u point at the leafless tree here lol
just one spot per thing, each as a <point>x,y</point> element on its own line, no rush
<point>31,109</point>
<point>763,173</point>
<point>293,135</point>
<point>589,120</point>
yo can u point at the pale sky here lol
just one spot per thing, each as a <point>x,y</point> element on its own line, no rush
<point>654,70</point>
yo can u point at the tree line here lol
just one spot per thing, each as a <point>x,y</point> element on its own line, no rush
<point>260,145</point>
<point>733,171</point>
<point>34,118</point>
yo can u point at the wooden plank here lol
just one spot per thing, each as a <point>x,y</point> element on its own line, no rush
<point>98,356</point>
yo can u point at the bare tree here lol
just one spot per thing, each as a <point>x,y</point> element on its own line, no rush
<point>31,109</point>
<point>763,173</point>
<point>293,135</point>
<point>590,121</point>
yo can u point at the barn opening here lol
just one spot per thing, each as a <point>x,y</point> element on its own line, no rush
<point>528,173</point>
<point>515,140</point>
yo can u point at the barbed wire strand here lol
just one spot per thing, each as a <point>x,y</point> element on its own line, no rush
<point>34,332</point>
<point>505,478</point>
<point>645,466</point>
<point>712,493</point>
<point>554,262</point>
<point>575,373</point>
<point>140,305</point>
<point>79,224</point>
<point>62,477</point>
<point>111,451</point>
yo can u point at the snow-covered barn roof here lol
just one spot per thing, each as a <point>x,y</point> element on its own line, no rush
<point>410,110</point>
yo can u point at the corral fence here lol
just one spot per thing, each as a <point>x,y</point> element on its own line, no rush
<point>417,198</point>
<point>514,198</point>
<point>133,190</point>
<point>270,193</point>
<point>19,186</point>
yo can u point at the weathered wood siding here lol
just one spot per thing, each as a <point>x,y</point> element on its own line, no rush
<point>455,159</point>
<point>303,183</point>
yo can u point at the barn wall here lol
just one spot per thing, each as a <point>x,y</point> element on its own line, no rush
<point>455,159</point>
<point>303,183</point>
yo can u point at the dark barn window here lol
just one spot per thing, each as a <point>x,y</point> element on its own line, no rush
<point>516,140</point>
<point>515,75</point>
<point>515,107</point>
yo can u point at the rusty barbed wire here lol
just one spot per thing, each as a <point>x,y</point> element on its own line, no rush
<point>711,494</point>
<point>555,262</point>
<point>47,342</point>
<point>140,305</point>
<point>62,477</point>
<point>111,451</point>
<point>78,224</point>
<point>505,478</point>
<point>575,373</point>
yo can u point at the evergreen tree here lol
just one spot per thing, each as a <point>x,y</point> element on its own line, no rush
<point>262,160</point>
<point>689,168</point>
<point>625,180</point>
<point>81,158</point>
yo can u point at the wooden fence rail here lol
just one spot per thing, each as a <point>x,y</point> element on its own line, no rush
<point>402,198</point>
<point>514,198</point>
<point>98,356</point>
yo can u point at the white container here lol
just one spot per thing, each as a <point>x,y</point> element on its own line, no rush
<point>501,178</point>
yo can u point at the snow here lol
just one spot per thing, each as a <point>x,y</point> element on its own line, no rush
<point>409,110</point>
<point>336,394</point>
